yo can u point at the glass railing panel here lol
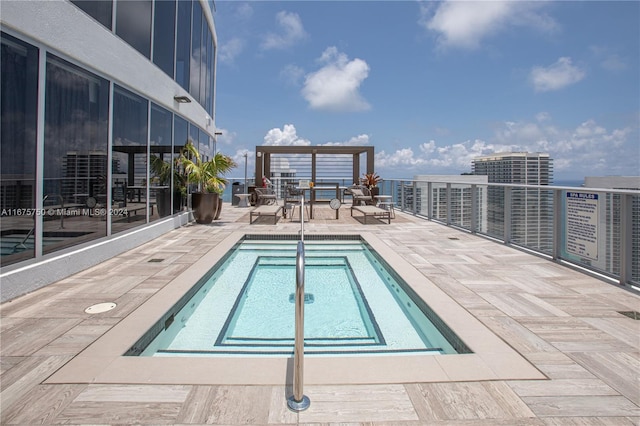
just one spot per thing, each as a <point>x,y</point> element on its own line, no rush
<point>532,218</point>
<point>635,239</point>
<point>494,209</point>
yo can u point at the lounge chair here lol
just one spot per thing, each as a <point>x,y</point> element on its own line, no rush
<point>361,196</point>
<point>374,211</point>
<point>267,210</point>
<point>266,196</point>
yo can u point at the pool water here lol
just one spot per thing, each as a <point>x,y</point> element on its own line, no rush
<point>353,305</point>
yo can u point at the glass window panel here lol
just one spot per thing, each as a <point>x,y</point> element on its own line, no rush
<point>133,24</point>
<point>209,75</point>
<point>180,137</point>
<point>204,61</point>
<point>160,162</point>
<point>129,171</point>
<point>75,155</point>
<point>204,146</point>
<point>183,44</point>
<point>18,110</point>
<point>164,33</point>
<point>100,10</point>
<point>196,50</point>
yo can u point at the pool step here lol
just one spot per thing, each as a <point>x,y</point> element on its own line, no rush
<point>288,351</point>
<point>309,342</point>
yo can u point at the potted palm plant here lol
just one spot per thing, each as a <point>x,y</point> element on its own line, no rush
<point>371,180</point>
<point>208,176</point>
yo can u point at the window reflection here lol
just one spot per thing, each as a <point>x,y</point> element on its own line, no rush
<point>75,155</point>
<point>164,33</point>
<point>161,165</point>
<point>183,44</point>
<point>133,24</point>
<point>18,107</point>
<point>100,10</point>
<point>196,50</point>
<point>129,166</point>
<point>180,137</point>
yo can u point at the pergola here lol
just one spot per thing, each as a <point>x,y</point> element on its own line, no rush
<point>263,157</point>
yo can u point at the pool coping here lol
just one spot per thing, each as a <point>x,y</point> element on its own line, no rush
<point>103,360</point>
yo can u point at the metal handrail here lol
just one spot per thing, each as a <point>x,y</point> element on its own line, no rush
<point>299,401</point>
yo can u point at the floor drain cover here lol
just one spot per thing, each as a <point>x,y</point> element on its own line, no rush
<point>100,307</point>
<point>156,260</point>
<point>631,314</point>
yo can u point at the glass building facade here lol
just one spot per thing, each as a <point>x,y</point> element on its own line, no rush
<point>85,153</point>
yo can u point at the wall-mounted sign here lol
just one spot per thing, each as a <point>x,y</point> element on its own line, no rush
<point>582,224</point>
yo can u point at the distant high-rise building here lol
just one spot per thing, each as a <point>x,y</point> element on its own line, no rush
<point>531,208</point>
<point>459,200</point>
<point>609,223</point>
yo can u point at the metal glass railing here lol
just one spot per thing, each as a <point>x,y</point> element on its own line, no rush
<point>595,229</point>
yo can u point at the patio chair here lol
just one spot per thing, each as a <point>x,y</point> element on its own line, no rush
<point>266,196</point>
<point>361,195</point>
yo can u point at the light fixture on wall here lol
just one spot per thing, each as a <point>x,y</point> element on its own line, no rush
<point>182,99</point>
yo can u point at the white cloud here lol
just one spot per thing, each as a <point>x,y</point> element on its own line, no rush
<point>613,63</point>
<point>587,149</point>
<point>464,24</point>
<point>335,86</point>
<point>291,32</point>
<point>359,140</point>
<point>226,138</point>
<point>292,74</point>
<point>608,58</point>
<point>556,76</point>
<point>287,136</point>
<point>244,11</point>
<point>228,51</point>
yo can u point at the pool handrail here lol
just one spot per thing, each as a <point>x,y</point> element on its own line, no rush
<point>299,401</point>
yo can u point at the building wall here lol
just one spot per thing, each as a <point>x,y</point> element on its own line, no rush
<point>87,108</point>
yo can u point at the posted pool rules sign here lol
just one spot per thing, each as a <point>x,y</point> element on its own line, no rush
<point>582,224</point>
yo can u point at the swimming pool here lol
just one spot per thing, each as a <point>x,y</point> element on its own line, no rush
<point>354,304</point>
<point>104,360</point>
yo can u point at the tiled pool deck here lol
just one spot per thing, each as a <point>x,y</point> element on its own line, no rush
<point>566,356</point>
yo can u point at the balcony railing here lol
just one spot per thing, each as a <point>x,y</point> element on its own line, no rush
<point>594,229</point>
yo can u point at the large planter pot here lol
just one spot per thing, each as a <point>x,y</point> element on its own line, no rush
<point>374,192</point>
<point>204,206</point>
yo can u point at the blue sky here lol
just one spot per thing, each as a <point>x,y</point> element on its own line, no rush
<point>431,85</point>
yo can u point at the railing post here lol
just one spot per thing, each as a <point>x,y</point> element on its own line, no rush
<point>507,215</point>
<point>448,195</point>
<point>626,229</point>
<point>558,228</point>
<point>430,200</point>
<point>474,209</point>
